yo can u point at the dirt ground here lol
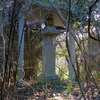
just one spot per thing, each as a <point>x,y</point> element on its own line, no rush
<point>64,91</point>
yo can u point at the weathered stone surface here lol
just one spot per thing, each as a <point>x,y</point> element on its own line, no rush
<point>49,78</point>
<point>48,56</point>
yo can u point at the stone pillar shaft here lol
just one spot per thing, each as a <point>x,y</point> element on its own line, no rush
<point>48,56</point>
<point>72,57</point>
<point>21,22</point>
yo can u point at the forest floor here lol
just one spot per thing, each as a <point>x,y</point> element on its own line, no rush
<point>65,91</point>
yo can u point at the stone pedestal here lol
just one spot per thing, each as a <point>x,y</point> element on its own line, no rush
<point>49,78</point>
<point>48,56</point>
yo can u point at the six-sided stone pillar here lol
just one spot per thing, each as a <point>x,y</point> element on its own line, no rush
<point>21,22</point>
<point>48,55</point>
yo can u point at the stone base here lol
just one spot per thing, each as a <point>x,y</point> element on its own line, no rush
<point>49,79</point>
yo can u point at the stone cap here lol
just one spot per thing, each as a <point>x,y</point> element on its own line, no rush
<point>50,31</point>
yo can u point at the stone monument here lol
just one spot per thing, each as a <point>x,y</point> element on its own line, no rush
<point>48,53</point>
